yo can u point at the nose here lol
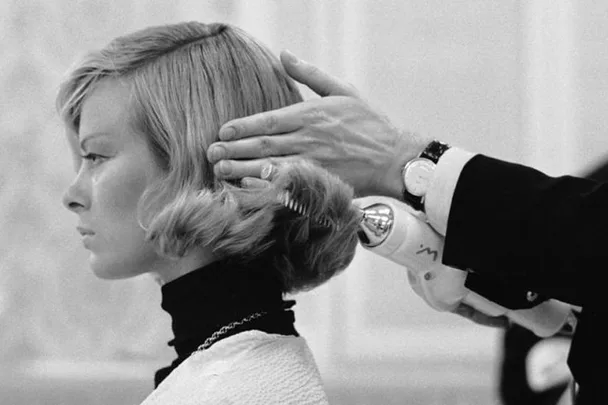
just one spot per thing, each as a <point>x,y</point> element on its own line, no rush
<point>75,197</point>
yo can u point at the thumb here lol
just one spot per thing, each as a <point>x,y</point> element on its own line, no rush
<point>317,80</point>
<point>480,318</point>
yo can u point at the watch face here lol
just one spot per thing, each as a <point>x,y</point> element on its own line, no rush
<point>417,176</point>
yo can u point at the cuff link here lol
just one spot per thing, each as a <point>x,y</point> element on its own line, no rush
<point>531,296</point>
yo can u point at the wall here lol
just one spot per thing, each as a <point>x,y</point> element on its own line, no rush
<point>522,81</point>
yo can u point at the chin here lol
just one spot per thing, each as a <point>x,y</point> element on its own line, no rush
<point>111,270</point>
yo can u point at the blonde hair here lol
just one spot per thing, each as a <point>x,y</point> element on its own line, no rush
<point>186,80</point>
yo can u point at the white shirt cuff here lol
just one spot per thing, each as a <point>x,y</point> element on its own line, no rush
<point>438,199</point>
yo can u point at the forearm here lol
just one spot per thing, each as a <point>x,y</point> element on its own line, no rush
<point>514,222</point>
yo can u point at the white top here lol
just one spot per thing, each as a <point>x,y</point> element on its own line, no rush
<point>248,368</point>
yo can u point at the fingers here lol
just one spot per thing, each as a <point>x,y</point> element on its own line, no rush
<point>252,182</point>
<point>317,80</point>
<point>256,148</point>
<point>239,169</point>
<point>286,119</point>
<point>480,318</point>
<point>289,118</point>
<point>266,174</point>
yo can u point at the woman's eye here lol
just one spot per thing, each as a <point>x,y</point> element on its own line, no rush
<point>93,158</point>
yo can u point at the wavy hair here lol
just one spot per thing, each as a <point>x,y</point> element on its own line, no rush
<point>186,80</point>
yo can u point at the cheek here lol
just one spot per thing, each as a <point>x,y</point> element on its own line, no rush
<point>117,192</point>
<point>122,250</point>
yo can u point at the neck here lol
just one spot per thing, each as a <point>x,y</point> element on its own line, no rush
<point>208,298</point>
<point>172,269</point>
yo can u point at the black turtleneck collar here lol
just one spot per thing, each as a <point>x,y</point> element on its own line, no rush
<point>204,300</point>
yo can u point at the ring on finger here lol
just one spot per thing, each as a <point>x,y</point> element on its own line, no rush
<point>267,172</point>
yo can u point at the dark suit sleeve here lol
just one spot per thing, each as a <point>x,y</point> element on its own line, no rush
<point>516,224</point>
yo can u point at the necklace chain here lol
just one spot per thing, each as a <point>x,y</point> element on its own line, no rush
<point>224,329</point>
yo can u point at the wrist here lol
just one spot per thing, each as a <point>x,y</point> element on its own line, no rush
<point>409,147</point>
<point>418,175</point>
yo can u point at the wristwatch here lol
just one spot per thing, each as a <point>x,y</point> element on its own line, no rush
<point>418,173</point>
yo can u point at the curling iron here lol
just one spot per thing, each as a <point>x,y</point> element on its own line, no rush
<point>389,229</point>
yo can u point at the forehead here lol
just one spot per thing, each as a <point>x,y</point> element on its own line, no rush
<point>106,109</point>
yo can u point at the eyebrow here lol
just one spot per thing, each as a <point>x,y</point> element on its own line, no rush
<point>88,137</point>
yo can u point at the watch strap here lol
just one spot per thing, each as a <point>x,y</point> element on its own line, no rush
<point>414,201</point>
<point>434,150</point>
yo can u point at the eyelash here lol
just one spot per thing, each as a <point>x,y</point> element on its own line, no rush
<point>92,157</point>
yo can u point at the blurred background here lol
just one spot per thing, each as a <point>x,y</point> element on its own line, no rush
<point>523,81</point>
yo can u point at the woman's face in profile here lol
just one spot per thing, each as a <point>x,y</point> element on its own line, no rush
<point>114,167</point>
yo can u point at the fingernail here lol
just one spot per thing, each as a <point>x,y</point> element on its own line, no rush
<point>291,58</point>
<point>217,153</point>
<point>227,133</point>
<point>246,182</point>
<point>225,168</point>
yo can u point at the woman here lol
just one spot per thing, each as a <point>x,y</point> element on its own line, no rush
<point>140,114</point>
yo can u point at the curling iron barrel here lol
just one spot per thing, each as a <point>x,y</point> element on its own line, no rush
<point>389,229</point>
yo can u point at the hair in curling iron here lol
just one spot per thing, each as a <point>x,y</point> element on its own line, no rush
<point>314,235</point>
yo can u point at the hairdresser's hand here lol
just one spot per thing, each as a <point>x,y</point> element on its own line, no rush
<point>339,131</point>
<point>472,314</point>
